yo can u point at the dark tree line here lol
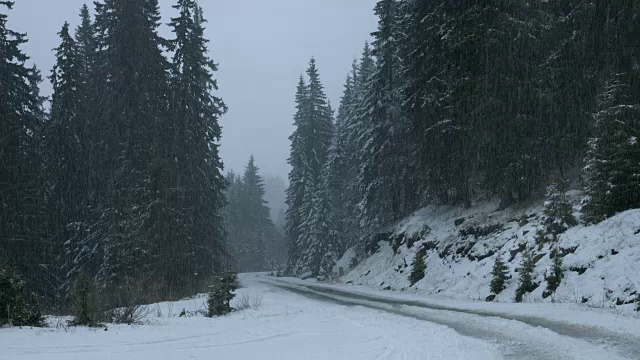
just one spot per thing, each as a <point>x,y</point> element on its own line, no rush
<point>456,100</point>
<point>254,241</point>
<point>122,180</point>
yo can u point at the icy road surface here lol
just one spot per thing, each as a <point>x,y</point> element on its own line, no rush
<point>520,331</point>
<point>285,326</point>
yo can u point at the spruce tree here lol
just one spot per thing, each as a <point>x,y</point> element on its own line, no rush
<point>85,302</point>
<point>340,174</point>
<point>233,218</point>
<point>324,243</point>
<point>354,126</point>
<point>525,275</point>
<point>613,161</point>
<point>490,46</point>
<point>258,224</point>
<point>327,263</point>
<point>309,150</point>
<point>419,266</point>
<point>556,275</point>
<point>65,166</point>
<point>333,215</point>
<point>17,309</point>
<point>500,275</point>
<point>195,198</point>
<point>252,238</point>
<point>383,179</point>
<point>221,294</point>
<point>38,108</point>
<point>136,136</point>
<point>21,213</point>
<point>81,252</point>
<point>437,141</point>
<point>557,209</point>
<point>296,189</point>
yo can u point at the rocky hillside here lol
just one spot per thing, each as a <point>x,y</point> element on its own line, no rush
<point>601,262</point>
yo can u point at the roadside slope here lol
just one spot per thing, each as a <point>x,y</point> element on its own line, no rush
<point>601,262</point>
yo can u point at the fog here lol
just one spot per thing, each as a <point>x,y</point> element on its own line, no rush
<point>261,46</point>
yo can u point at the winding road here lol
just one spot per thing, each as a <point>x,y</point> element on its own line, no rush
<point>516,336</point>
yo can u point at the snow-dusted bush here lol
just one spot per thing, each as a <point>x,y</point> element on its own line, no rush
<point>248,301</point>
<point>131,314</point>
<point>125,302</point>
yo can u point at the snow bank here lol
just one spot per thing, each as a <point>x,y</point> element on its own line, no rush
<point>601,262</point>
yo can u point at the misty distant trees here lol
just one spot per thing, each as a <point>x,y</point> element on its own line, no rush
<point>254,242</point>
<point>457,99</point>
<point>122,180</point>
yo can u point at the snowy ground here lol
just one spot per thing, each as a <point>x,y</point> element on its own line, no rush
<point>285,326</point>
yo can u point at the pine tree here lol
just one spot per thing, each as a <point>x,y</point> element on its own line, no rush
<point>419,266</point>
<point>65,142</point>
<point>221,294</point>
<point>355,126</point>
<point>569,81</point>
<point>21,213</point>
<point>500,275</point>
<point>383,179</point>
<point>554,279</point>
<point>38,109</point>
<point>135,139</point>
<point>525,277</point>
<point>195,198</point>
<point>613,163</point>
<point>82,251</point>
<point>490,46</point>
<point>437,141</point>
<point>253,239</point>
<point>309,150</point>
<point>17,310</point>
<point>332,212</point>
<point>256,217</point>
<point>85,306</point>
<point>328,262</point>
<point>233,218</point>
<point>295,192</point>
<point>325,247</point>
<point>557,209</point>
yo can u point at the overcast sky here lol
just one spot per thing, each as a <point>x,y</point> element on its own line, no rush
<point>262,46</point>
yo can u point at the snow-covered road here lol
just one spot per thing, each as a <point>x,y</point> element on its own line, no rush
<point>285,326</point>
<point>307,320</point>
<point>520,331</point>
